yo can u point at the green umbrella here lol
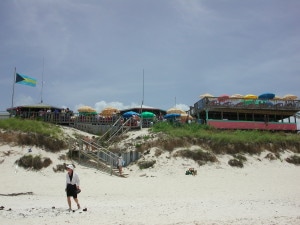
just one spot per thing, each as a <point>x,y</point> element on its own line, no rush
<point>147,115</point>
<point>87,113</point>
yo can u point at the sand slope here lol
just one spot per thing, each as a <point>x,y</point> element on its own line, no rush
<point>263,192</point>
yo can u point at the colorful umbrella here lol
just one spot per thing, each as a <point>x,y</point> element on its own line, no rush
<point>130,114</point>
<point>266,96</point>
<point>147,115</point>
<point>86,109</point>
<point>277,98</point>
<point>250,96</point>
<point>237,96</point>
<point>172,115</point>
<point>186,116</point>
<point>289,97</point>
<point>206,95</point>
<point>223,98</point>
<point>175,110</point>
<point>109,111</point>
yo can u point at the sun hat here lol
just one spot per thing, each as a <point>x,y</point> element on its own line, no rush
<point>70,167</point>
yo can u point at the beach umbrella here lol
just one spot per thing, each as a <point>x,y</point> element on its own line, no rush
<point>185,116</point>
<point>237,96</point>
<point>266,96</point>
<point>289,97</point>
<point>206,95</point>
<point>172,115</point>
<point>86,109</point>
<point>147,115</point>
<point>109,111</point>
<point>277,98</point>
<point>130,114</point>
<point>223,98</point>
<point>175,110</point>
<point>250,96</point>
<point>87,113</point>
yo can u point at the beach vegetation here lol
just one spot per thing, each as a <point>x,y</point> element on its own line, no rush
<point>270,156</point>
<point>236,163</point>
<point>197,155</point>
<point>31,126</point>
<point>294,159</point>
<point>61,167</point>
<point>226,141</point>
<point>33,162</point>
<point>32,133</point>
<point>146,137</point>
<point>240,157</point>
<point>146,164</point>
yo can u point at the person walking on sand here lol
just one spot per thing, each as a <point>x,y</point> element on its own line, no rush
<point>120,163</point>
<point>87,142</point>
<point>72,186</point>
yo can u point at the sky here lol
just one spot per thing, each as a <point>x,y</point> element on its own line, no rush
<point>163,53</point>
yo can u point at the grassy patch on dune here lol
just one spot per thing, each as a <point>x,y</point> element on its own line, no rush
<point>32,132</point>
<point>235,136</point>
<point>34,126</point>
<point>231,142</point>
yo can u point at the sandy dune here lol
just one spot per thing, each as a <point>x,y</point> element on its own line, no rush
<point>263,192</point>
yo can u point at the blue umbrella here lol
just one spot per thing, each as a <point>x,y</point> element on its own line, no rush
<point>130,114</point>
<point>266,96</point>
<point>172,115</point>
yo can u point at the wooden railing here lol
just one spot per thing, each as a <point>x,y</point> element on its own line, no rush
<point>213,102</point>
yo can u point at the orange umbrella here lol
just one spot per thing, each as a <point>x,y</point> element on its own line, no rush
<point>186,116</point>
<point>109,111</point>
<point>289,97</point>
<point>86,109</point>
<point>206,95</point>
<point>175,110</point>
<point>237,96</point>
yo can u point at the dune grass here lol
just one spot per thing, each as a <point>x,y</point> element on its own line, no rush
<point>31,126</point>
<point>225,136</point>
<point>32,133</point>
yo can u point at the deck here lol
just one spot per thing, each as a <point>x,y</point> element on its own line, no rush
<point>247,113</point>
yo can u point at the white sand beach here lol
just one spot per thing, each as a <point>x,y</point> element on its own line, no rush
<point>263,192</point>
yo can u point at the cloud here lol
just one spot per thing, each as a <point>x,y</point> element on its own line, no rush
<point>96,51</point>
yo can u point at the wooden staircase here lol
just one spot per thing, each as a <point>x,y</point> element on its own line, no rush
<point>100,156</point>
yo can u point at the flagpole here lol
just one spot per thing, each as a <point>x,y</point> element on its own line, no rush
<point>42,82</point>
<point>13,91</point>
<point>141,123</point>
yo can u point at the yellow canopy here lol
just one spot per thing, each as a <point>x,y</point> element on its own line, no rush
<point>237,96</point>
<point>250,96</point>
<point>175,110</point>
<point>86,109</point>
<point>109,111</point>
<point>289,97</point>
<point>206,95</point>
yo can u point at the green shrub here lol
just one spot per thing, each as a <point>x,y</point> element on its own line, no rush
<point>33,162</point>
<point>293,159</point>
<point>49,143</point>
<point>198,155</point>
<point>240,157</point>
<point>60,168</point>
<point>146,164</point>
<point>235,163</point>
<point>33,133</point>
<point>230,141</point>
<point>31,126</point>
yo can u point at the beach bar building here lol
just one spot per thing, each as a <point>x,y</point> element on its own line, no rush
<point>248,112</point>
